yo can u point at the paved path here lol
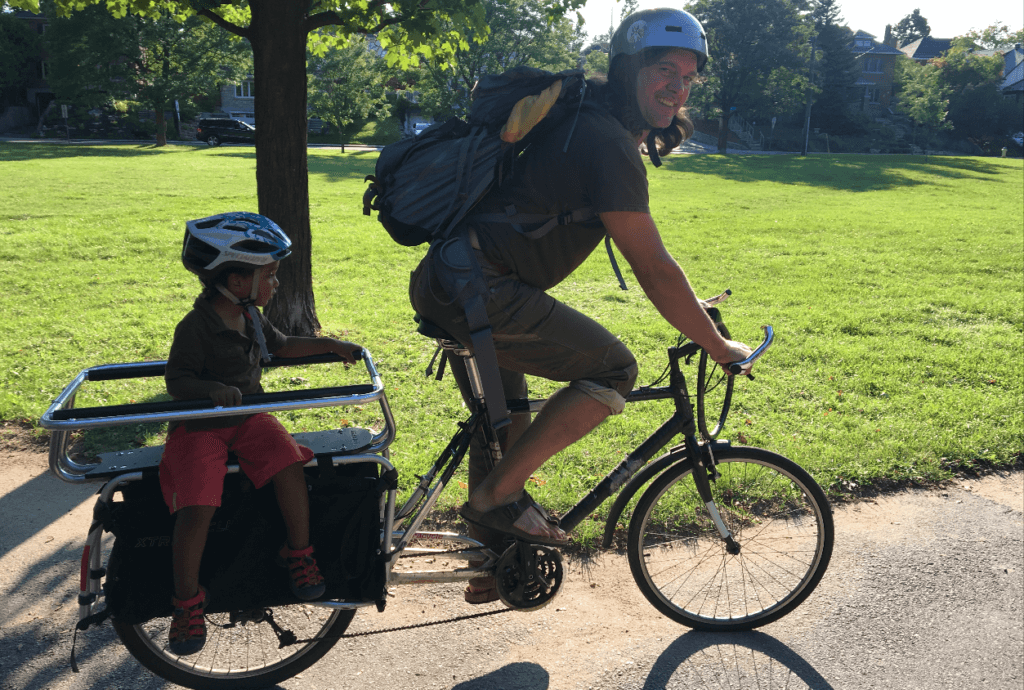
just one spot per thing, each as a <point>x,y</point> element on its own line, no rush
<point>924,591</point>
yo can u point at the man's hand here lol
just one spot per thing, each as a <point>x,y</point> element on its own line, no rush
<point>227,396</point>
<point>734,351</point>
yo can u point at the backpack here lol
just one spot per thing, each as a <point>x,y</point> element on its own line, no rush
<point>423,186</point>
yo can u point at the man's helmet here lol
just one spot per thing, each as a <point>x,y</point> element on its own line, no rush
<point>660,28</point>
<point>230,240</point>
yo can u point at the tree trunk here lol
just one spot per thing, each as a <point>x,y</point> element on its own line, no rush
<point>282,185</point>
<point>723,131</point>
<point>161,127</point>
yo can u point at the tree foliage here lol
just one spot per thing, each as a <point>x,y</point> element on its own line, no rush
<point>758,56</point>
<point>408,30</point>
<point>347,82</point>
<point>922,97</point>
<point>977,110</point>
<point>911,28</point>
<point>995,37</point>
<point>836,72</point>
<point>959,92</point>
<point>520,34</point>
<point>96,59</point>
<point>19,48</point>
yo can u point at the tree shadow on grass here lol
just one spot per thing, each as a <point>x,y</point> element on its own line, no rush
<point>18,151</point>
<point>847,173</point>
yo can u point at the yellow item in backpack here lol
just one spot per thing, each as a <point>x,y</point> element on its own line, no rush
<point>528,112</point>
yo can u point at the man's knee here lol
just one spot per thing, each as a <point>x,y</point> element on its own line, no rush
<point>610,389</point>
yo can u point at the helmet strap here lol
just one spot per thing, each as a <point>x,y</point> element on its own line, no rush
<point>652,149</point>
<point>250,312</point>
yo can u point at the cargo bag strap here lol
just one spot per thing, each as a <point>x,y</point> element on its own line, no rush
<point>460,275</point>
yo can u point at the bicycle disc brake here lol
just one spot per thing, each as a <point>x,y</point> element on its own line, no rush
<point>528,576</point>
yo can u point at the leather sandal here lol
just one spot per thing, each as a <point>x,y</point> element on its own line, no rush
<point>501,519</point>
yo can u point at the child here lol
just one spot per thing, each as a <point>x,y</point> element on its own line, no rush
<point>217,353</point>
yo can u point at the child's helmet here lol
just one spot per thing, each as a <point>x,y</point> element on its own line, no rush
<point>660,28</point>
<point>229,240</point>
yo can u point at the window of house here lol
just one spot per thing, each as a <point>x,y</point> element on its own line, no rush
<point>863,42</point>
<point>873,65</point>
<point>872,94</point>
<point>244,90</point>
<point>44,69</point>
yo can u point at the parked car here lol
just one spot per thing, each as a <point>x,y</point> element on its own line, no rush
<point>217,131</point>
<point>420,127</point>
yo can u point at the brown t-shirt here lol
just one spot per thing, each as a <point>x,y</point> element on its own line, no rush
<point>205,348</point>
<point>602,169</point>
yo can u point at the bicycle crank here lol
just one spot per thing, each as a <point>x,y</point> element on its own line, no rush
<point>528,576</point>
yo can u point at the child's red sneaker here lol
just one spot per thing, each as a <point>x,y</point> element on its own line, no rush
<point>304,577</point>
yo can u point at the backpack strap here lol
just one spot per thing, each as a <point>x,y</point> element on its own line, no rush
<point>459,273</point>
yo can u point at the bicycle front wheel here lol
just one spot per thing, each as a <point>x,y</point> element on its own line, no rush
<point>777,514</point>
<point>242,649</point>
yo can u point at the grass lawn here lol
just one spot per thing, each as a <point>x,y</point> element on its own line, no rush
<point>895,285</point>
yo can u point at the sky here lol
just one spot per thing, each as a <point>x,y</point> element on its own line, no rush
<point>946,18</point>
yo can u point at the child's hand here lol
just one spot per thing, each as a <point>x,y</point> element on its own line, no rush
<point>227,396</point>
<point>346,350</point>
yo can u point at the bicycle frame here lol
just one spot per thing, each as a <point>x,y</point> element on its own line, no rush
<point>681,422</point>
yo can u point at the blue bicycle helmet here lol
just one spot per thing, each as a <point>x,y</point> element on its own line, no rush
<point>229,240</point>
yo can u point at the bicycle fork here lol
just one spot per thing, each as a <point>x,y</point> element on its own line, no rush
<point>704,471</point>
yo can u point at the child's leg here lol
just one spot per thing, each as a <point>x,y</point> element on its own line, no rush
<point>187,543</point>
<point>290,489</point>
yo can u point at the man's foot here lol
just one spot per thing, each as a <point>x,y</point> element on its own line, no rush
<point>480,590</point>
<point>304,577</point>
<point>523,519</point>
<point>188,625</point>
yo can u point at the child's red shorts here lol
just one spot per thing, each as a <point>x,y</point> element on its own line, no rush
<point>194,463</point>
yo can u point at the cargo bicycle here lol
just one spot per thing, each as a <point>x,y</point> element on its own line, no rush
<point>722,537</point>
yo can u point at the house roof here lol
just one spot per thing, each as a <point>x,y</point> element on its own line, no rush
<point>1014,81</point>
<point>876,48</point>
<point>927,48</point>
<point>1013,57</point>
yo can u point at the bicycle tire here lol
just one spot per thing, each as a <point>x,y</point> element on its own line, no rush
<point>777,513</point>
<point>714,393</point>
<point>239,657</point>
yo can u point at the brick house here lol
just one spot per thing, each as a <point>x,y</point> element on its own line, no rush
<point>876,64</point>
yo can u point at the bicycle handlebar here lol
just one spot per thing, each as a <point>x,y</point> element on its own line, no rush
<point>746,365</point>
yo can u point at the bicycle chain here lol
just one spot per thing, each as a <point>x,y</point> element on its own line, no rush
<point>428,624</point>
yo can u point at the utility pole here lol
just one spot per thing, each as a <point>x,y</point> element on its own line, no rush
<point>810,95</point>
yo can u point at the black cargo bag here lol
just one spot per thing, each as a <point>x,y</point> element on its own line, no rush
<point>239,568</point>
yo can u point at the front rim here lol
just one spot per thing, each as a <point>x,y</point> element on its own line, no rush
<point>241,648</point>
<point>777,514</point>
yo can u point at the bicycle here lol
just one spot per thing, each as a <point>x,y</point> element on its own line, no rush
<point>722,538</point>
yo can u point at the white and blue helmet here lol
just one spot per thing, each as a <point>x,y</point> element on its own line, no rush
<point>229,240</point>
<point>660,28</point>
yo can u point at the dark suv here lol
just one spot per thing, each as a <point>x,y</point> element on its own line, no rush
<point>217,131</point>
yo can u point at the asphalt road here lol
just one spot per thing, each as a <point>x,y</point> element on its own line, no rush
<point>925,591</point>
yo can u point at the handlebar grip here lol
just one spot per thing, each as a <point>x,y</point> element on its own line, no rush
<point>745,366</point>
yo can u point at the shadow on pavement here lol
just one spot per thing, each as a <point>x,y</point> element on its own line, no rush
<point>732,660</point>
<point>517,676</point>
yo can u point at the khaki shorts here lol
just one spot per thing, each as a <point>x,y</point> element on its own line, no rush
<point>536,334</point>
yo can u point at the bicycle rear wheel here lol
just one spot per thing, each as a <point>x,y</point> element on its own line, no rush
<point>242,649</point>
<point>777,514</point>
